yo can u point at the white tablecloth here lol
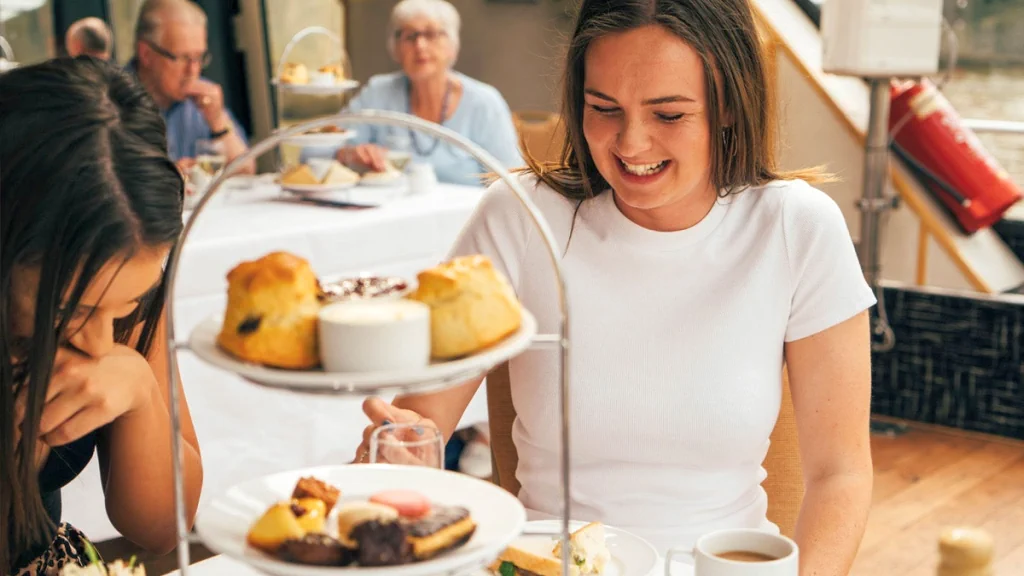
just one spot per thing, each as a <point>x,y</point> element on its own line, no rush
<point>244,430</point>
<point>219,565</point>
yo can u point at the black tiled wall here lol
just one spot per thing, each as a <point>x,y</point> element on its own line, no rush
<point>958,361</point>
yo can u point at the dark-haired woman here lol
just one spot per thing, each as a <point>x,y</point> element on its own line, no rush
<point>90,207</point>
<point>695,269</point>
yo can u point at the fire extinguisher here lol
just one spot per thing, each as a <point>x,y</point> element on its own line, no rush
<point>948,157</point>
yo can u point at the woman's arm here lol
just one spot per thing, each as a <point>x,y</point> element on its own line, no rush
<point>830,379</point>
<point>135,462</point>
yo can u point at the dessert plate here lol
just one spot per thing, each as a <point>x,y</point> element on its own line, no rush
<point>224,521</point>
<point>631,554</point>
<point>435,376</point>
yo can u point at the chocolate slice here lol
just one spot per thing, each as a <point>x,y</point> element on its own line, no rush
<point>445,528</point>
<point>317,550</point>
<point>382,544</point>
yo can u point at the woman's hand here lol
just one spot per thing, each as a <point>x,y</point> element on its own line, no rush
<point>369,156</point>
<point>381,414</point>
<point>86,393</point>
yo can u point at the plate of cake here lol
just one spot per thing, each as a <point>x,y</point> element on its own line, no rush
<point>594,550</point>
<point>318,175</point>
<point>330,79</point>
<point>366,519</point>
<point>284,328</point>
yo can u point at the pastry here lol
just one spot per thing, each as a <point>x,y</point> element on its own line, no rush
<point>274,528</point>
<point>338,174</point>
<point>309,487</point>
<point>408,540</point>
<point>472,306</point>
<point>443,529</point>
<point>316,550</point>
<point>271,315</point>
<point>409,504</point>
<point>335,70</point>
<point>354,514</point>
<point>295,73</point>
<point>301,175</point>
<point>311,513</point>
<point>388,175</point>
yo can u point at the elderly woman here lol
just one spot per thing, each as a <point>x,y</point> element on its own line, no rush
<point>423,38</point>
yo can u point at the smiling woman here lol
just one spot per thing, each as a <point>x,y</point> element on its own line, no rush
<point>695,269</point>
<point>90,210</point>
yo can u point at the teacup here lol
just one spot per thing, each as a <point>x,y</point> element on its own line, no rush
<point>741,552</point>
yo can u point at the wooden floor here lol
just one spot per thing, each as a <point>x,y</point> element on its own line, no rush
<point>927,479</point>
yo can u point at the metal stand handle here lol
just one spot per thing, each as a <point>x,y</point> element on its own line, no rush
<point>379,118</point>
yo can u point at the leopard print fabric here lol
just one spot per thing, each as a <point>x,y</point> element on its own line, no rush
<point>68,547</point>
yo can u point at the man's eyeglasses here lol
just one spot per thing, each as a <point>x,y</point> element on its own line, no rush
<point>203,61</point>
<point>411,36</point>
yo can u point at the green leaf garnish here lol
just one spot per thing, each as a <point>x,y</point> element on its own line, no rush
<point>507,569</point>
<point>94,556</point>
<point>131,562</point>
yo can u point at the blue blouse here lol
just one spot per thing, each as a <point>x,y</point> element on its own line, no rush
<point>482,116</point>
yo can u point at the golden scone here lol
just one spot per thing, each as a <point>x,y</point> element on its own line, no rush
<point>295,73</point>
<point>277,525</point>
<point>271,316</point>
<point>311,513</point>
<point>335,69</point>
<point>471,305</point>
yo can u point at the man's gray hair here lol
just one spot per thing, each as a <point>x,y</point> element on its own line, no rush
<point>154,13</point>
<point>440,11</point>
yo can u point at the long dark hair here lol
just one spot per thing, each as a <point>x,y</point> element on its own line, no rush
<point>725,37</point>
<point>84,179</point>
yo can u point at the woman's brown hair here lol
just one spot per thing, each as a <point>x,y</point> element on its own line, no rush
<point>725,37</point>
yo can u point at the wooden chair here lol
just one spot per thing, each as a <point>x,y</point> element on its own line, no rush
<point>540,134</point>
<point>784,484</point>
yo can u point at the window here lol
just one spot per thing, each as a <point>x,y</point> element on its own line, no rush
<point>27,25</point>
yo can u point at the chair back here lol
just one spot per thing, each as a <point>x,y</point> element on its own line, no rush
<point>784,484</point>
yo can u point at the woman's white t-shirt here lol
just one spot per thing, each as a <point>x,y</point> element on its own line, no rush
<point>676,348</point>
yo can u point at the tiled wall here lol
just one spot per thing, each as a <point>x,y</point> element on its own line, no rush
<point>958,361</point>
<point>1012,232</point>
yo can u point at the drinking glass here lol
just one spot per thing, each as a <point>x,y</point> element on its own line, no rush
<point>410,444</point>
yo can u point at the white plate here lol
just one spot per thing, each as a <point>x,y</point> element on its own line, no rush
<point>631,554</point>
<point>398,180</point>
<point>223,522</point>
<point>325,139</point>
<point>319,89</point>
<point>313,188</point>
<point>436,376</point>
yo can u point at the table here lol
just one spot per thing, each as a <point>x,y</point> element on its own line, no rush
<point>247,431</point>
<point>223,565</point>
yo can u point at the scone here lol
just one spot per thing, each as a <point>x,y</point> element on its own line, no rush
<point>471,305</point>
<point>271,316</point>
<point>295,73</point>
<point>334,69</point>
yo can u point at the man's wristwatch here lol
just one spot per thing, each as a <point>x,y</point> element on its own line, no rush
<point>221,133</point>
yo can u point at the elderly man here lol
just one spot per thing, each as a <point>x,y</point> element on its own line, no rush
<point>89,37</point>
<point>170,53</point>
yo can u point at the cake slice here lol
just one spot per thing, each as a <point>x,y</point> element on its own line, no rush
<point>310,487</point>
<point>588,548</point>
<point>300,175</point>
<point>338,174</point>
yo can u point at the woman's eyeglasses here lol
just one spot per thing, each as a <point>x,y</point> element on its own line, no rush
<point>203,60</point>
<point>412,36</point>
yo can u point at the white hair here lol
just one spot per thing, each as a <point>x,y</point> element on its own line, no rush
<point>439,11</point>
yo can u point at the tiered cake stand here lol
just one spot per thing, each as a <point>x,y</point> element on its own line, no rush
<point>428,380</point>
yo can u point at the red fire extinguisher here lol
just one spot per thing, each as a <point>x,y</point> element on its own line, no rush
<point>949,158</point>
